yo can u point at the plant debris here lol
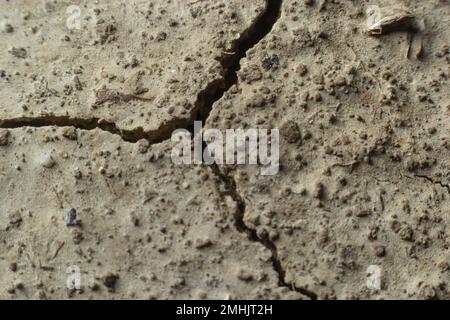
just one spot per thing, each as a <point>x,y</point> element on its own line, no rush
<point>106,95</point>
<point>402,21</point>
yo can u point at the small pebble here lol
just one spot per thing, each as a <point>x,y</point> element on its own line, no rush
<point>71,218</point>
<point>47,161</point>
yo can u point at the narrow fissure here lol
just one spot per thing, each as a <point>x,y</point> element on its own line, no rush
<point>240,225</point>
<point>440,183</point>
<point>60,121</point>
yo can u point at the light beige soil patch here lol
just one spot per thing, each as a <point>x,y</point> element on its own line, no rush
<point>364,115</point>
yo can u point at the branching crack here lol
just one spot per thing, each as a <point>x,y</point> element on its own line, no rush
<point>258,32</point>
<point>213,92</point>
<point>158,135</point>
<point>201,111</point>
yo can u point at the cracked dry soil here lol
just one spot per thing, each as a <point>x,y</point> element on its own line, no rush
<point>364,155</point>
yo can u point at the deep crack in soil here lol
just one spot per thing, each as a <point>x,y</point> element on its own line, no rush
<point>206,98</point>
<point>253,36</point>
<point>155,136</point>
<point>201,111</point>
<point>232,64</point>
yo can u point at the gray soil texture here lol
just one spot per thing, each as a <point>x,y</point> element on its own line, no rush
<point>91,92</point>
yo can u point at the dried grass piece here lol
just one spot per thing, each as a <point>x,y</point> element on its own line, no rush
<point>402,21</point>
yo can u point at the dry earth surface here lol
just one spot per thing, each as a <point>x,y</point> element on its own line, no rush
<point>88,107</point>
